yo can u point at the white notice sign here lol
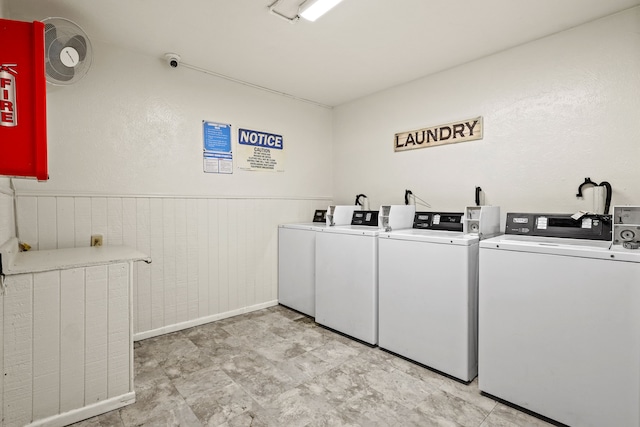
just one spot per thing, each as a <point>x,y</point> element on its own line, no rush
<point>260,151</point>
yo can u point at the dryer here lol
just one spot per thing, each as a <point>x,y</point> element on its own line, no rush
<point>297,257</point>
<point>347,271</point>
<point>428,282</point>
<point>559,320</point>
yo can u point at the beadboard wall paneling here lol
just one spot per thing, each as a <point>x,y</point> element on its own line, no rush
<point>66,347</point>
<point>7,221</point>
<point>17,391</point>
<point>212,257</point>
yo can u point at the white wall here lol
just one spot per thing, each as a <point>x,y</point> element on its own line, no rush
<point>133,126</point>
<point>555,111</point>
<point>125,161</point>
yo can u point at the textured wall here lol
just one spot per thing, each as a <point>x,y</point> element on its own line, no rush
<point>133,125</point>
<point>555,111</point>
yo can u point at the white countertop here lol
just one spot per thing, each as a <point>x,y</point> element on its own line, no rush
<point>61,259</point>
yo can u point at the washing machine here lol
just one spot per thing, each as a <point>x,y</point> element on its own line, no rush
<point>347,271</point>
<point>428,288</point>
<point>559,320</point>
<point>297,259</point>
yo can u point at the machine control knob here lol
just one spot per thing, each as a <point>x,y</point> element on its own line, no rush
<point>627,235</point>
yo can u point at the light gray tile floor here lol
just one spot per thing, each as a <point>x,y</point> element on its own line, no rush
<point>275,367</point>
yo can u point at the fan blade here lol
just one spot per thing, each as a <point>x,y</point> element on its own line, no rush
<point>55,74</point>
<point>50,34</point>
<point>79,44</point>
<point>53,51</point>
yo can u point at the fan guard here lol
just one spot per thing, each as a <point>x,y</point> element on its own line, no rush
<point>68,51</point>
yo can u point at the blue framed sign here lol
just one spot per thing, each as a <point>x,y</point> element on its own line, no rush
<point>217,154</point>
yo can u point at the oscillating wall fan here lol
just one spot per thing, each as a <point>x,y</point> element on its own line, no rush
<point>67,51</point>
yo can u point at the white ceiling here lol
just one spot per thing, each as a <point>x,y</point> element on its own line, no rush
<point>358,48</point>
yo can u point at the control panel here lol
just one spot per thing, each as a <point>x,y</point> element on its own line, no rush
<point>482,220</point>
<point>320,215</point>
<point>368,218</point>
<point>590,226</point>
<point>447,221</point>
<point>626,226</point>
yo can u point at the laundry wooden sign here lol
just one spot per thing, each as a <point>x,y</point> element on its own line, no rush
<point>450,133</point>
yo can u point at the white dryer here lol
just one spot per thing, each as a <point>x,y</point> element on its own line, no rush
<point>297,258</point>
<point>428,289</point>
<point>559,320</point>
<point>347,271</point>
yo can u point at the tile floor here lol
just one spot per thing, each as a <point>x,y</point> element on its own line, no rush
<point>275,367</point>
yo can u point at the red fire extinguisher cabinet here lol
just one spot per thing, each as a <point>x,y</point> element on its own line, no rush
<point>23,103</point>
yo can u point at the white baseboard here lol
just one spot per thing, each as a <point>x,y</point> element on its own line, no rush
<point>201,321</point>
<point>85,412</point>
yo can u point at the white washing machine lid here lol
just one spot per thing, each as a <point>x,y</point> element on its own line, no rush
<point>361,230</point>
<point>559,246</point>
<point>432,236</point>
<point>313,226</point>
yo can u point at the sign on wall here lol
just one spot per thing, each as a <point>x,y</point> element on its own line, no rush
<point>450,133</point>
<point>217,156</point>
<point>260,151</point>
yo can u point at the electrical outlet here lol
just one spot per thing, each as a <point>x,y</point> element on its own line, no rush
<point>96,240</point>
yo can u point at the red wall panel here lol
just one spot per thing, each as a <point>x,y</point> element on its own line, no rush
<point>23,119</point>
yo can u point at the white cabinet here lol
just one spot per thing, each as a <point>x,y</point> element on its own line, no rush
<point>67,337</point>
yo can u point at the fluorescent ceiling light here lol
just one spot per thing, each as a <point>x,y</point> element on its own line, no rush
<point>314,9</point>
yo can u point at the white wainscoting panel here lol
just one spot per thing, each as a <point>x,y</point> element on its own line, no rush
<point>212,257</point>
<point>17,392</point>
<point>66,344</point>
<point>7,220</point>
<point>96,333</point>
<point>46,344</point>
<point>72,339</point>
